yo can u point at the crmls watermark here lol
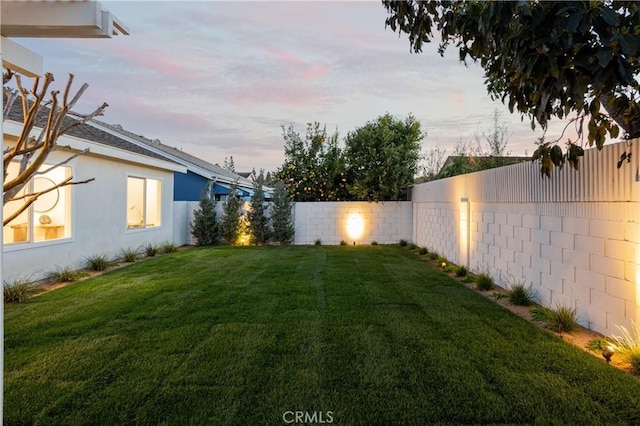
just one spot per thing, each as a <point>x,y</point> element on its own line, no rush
<point>305,417</point>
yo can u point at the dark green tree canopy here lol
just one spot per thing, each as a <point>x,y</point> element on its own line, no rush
<point>543,59</point>
<point>382,158</point>
<point>314,167</point>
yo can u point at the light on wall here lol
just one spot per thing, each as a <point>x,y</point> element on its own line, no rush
<point>355,225</point>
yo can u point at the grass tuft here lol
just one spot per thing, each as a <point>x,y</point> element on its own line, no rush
<point>374,243</point>
<point>151,250</point>
<point>424,251</point>
<point>66,275</point>
<point>520,295</point>
<point>343,243</point>
<point>17,291</point>
<point>561,319</point>
<point>461,271</point>
<point>129,255</point>
<point>169,248</point>
<point>627,346</point>
<point>403,243</point>
<point>99,262</point>
<point>318,242</point>
<point>484,282</point>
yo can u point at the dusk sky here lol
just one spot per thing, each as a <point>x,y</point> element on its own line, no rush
<point>219,79</point>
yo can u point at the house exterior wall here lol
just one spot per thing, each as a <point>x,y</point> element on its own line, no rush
<point>187,187</point>
<point>574,238</point>
<point>385,222</point>
<point>98,220</point>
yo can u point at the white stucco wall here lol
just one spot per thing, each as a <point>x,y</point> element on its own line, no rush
<point>574,238</point>
<point>98,219</point>
<point>384,222</point>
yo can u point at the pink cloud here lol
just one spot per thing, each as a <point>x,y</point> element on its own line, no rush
<point>299,68</point>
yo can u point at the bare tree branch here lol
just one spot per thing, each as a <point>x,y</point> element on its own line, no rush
<point>32,197</point>
<point>62,163</point>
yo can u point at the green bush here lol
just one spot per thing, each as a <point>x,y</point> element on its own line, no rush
<point>17,291</point>
<point>66,275</point>
<point>205,227</point>
<point>343,243</point>
<point>403,243</point>
<point>129,255</point>
<point>484,282</point>
<point>374,243</point>
<point>424,251</point>
<point>461,271</point>
<point>318,242</point>
<point>559,319</point>
<point>433,255</point>
<point>99,262</point>
<point>412,246</point>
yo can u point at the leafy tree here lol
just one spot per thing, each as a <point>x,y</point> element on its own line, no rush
<point>205,223</point>
<point>257,216</point>
<point>382,158</point>
<point>281,215</point>
<point>314,168</point>
<point>543,59</point>
<point>229,225</point>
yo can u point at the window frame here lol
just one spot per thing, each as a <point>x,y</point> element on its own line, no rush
<point>33,221</point>
<point>144,212</point>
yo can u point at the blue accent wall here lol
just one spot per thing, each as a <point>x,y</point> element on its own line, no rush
<point>187,187</point>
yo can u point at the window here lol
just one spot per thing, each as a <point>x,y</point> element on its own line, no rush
<point>144,202</point>
<point>49,217</point>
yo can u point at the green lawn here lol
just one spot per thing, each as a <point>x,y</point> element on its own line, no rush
<point>242,335</point>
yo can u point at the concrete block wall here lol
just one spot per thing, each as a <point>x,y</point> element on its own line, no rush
<point>575,248</point>
<point>384,222</point>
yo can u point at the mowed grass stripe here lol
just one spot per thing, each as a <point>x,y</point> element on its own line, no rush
<point>239,335</point>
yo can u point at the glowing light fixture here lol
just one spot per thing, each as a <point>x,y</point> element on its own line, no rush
<point>607,353</point>
<point>355,225</point>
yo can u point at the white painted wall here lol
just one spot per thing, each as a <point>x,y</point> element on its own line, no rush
<point>98,219</point>
<point>575,238</point>
<point>384,222</point>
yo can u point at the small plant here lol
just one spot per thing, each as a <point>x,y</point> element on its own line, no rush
<point>598,344</point>
<point>99,262</point>
<point>412,246</point>
<point>484,282</point>
<point>66,275</point>
<point>374,243</point>
<point>403,243</point>
<point>129,255</point>
<point>151,250</point>
<point>17,291</point>
<point>441,262</point>
<point>469,279</point>
<point>499,295</point>
<point>424,251</point>
<point>461,271</point>
<point>169,248</point>
<point>559,319</point>
<point>318,242</point>
<point>433,255</point>
<point>343,243</point>
<point>520,295</point>
<point>627,346</point>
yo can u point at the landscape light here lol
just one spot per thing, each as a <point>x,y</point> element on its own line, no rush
<point>355,226</point>
<point>607,353</point>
